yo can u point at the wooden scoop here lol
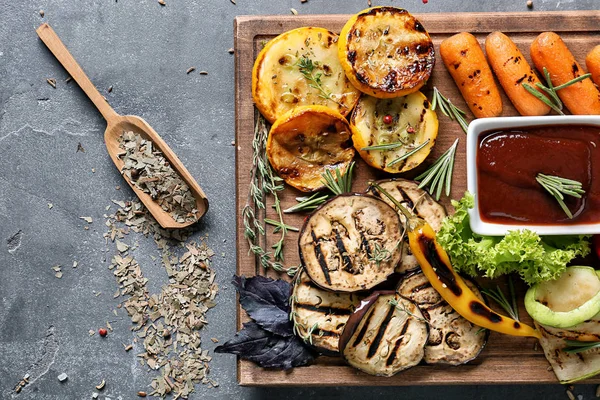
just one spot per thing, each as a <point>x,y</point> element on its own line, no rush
<point>117,124</point>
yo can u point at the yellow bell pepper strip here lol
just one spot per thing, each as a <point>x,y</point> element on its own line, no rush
<point>437,267</point>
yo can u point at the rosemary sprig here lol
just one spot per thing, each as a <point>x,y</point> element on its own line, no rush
<point>498,296</point>
<point>384,147</point>
<point>336,182</point>
<point>307,69</point>
<point>307,203</point>
<point>574,346</point>
<point>439,175</point>
<point>559,187</point>
<point>401,307</point>
<point>341,183</point>
<point>379,254</point>
<point>547,94</point>
<point>408,154</point>
<point>264,182</point>
<point>449,109</point>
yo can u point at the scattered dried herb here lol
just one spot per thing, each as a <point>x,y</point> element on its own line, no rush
<point>147,168</point>
<point>269,339</point>
<point>51,82</point>
<point>57,271</point>
<point>169,323</point>
<point>203,72</point>
<point>190,70</point>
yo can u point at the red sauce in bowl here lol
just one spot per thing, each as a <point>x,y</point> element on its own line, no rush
<point>509,160</point>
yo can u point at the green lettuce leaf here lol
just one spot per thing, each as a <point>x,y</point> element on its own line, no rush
<point>534,258</point>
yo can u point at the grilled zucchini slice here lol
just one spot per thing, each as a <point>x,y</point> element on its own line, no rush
<point>587,331</point>
<point>413,129</point>
<point>321,315</point>
<point>568,368</point>
<point>386,52</point>
<point>567,301</point>
<point>383,339</point>
<point>301,67</point>
<point>307,141</point>
<point>420,203</point>
<point>452,339</point>
<point>351,243</point>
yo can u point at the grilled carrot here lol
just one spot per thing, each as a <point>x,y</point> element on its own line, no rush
<point>548,50</point>
<point>512,70</point>
<point>592,61</point>
<point>466,62</point>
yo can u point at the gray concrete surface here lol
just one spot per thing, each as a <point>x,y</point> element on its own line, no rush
<point>142,50</point>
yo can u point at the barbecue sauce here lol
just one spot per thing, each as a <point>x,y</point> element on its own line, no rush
<point>509,160</point>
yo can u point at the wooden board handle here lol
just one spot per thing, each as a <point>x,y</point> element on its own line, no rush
<point>56,46</point>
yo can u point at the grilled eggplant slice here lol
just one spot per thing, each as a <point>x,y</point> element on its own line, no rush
<point>306,142</point>
<point>407,123</point>
<point>568,367</point>
<point>420,203</point>
<point>321,314</point>
<point>350,243</point>
<point>452,339</point>
<point>298,68</point>
<point>383,339</point>
<point>386,52</point>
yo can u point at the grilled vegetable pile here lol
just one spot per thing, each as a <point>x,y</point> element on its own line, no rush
<point>328,97</point>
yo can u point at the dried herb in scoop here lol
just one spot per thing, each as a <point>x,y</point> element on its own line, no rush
<point>148,169</point>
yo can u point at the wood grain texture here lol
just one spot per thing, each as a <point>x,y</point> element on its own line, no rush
<point>115,126</point>
<point>505,359</point>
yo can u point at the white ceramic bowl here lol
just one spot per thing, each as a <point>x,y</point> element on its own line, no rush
<point>476,128</point>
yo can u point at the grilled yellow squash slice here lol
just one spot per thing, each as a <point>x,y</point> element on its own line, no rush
<point>301,67</point>
<point>386,52</point>
<point>306,142</point>
<point>405,126</point>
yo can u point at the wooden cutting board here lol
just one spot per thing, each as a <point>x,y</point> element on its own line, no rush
<point>505,359</point>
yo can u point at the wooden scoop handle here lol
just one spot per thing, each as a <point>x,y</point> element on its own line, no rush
<point>56,46</point>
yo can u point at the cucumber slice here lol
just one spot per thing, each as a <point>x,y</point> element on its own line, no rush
<point>567,301</point>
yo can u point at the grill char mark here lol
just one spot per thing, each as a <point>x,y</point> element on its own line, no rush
<point>325,310</point>
<point>392,357</point>
<point>363,330</point>
<point>347,262</point>
<point>407,199</point>
<point>320,257</point>
<point>382,328</point>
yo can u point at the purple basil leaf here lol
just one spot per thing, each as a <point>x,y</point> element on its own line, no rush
<point>266,349</point>
<point>266,302</point>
